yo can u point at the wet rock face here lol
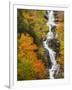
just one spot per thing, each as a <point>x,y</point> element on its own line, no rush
<point>49,64</point>
<point>53,29</point>
<point>55,45</point>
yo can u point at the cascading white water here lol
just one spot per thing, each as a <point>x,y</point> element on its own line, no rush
<point>52,54</point>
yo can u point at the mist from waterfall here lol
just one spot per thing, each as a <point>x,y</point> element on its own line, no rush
<point>50,36</point>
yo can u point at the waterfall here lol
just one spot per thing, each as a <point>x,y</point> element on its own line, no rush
<point>50,36</point>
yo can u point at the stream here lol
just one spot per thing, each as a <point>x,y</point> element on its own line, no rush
<point>50,36</point>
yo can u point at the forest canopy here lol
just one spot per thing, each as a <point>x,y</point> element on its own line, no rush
<point>32,60</point>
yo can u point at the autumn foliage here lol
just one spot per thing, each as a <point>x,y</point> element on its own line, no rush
<point>29,66</point>
<point>32,60</point>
